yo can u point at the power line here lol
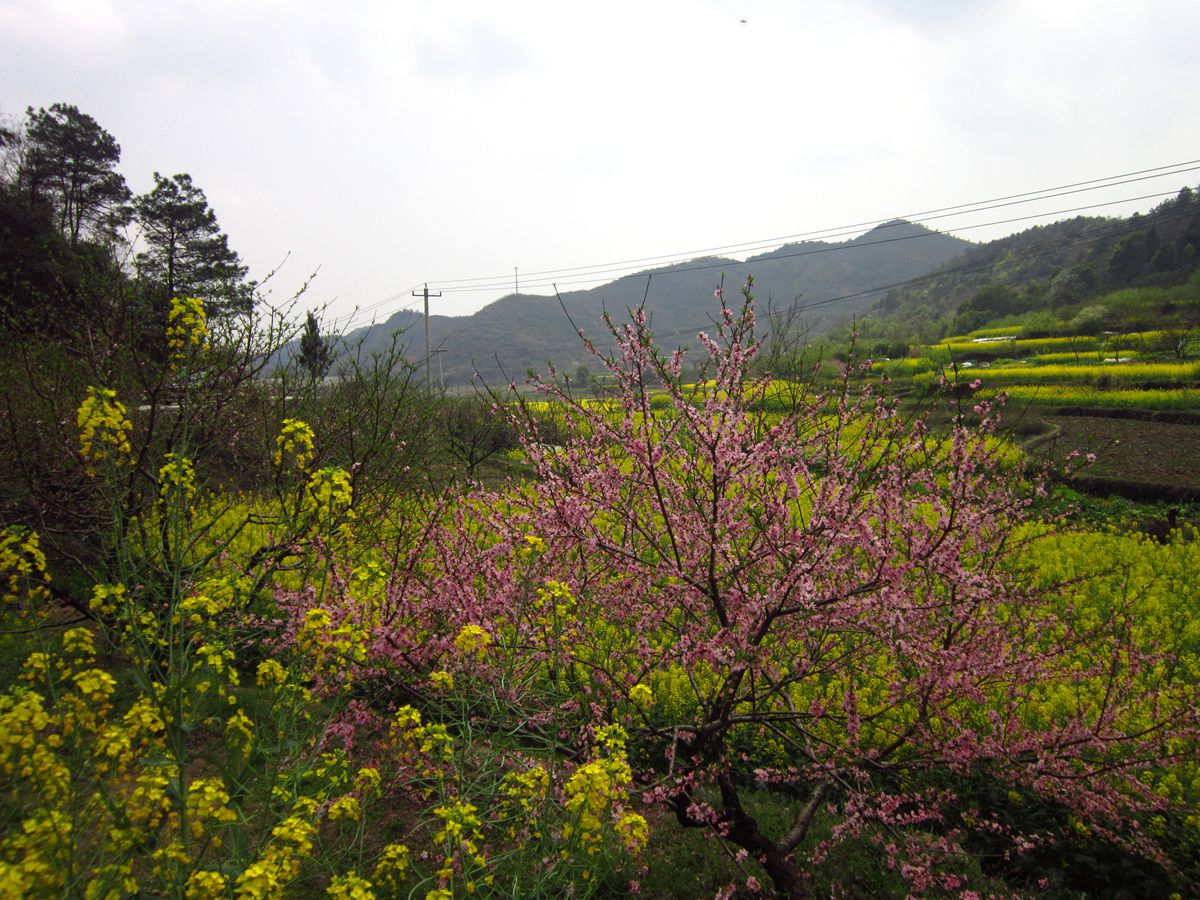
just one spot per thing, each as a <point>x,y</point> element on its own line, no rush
<point>343,323</point>
<point>603,275</point>
<point>910,237</point>
<point>425,295</point>
<point>1107,229</point>
<point>498,281</point>
<point>846,246</point>
<point>1087,236</point>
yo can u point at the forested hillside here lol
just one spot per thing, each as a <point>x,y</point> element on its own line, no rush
<point>1050,266</point>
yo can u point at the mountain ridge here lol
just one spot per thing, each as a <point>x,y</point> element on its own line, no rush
<point>519,332</point>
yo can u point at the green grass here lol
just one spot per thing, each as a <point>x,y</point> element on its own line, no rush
<point>1016,347</point>
<point>997,331</point>
<point>904,368</point>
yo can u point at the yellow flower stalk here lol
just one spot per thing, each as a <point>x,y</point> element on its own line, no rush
<point>187,327</point>
<point>294,444</point>
<point>104,428</point>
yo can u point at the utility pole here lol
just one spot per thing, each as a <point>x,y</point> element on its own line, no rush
<point>428,373</point>
<point>441,375</point>
<point>516,282</point>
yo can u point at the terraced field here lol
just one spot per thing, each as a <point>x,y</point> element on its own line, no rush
<point>1131,399</point>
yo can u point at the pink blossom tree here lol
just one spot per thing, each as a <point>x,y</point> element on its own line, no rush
<point>824,602</point>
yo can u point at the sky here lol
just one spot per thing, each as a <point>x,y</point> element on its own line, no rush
<point>384,144</point>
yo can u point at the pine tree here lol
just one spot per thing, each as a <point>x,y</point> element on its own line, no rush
<point>188,255</point>
<point>316,352</point>
<point>70,166</point>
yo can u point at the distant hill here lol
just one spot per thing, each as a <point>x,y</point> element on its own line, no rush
<point>521,331</point>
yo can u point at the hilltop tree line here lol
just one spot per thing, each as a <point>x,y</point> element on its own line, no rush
<point>79,251</point>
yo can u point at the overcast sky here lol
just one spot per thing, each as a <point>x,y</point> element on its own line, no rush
<point>391,143</point>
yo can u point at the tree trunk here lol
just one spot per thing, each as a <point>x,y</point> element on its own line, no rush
<point>738,826</point>
<point>743,830</point>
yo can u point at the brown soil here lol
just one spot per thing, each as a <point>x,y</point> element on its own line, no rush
<point>1158,452</point>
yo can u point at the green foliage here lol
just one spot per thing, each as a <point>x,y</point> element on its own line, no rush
<point>1085,372</point>
<point>991,302</point>
<point>316,352</point>
<point>905,368</point>
<point>1016,346</point>
<point>40,270</point>
<point>1134,254</point>
<point>1041,323</point>
<point>1055,269</point>
<point>1066,288</point>
<point>582,380</point>
<point>1090,320</point>
<point>70,167</point>
<point>187,253</point>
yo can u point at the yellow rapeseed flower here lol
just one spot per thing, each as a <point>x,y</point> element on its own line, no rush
<point>240,730</point>
<point>270,674</point>
<point>296,831</point>
<point>112,882</point>
<point>23,578</point>
<point>295,443</point>
<point>350,887</point>
<point>187,327</point>
<point>104,428</point>
<point>473,639</point>
<point>206,885</point>
<point>208,801</point>
<point>391,867</point>
<point>642,695</point>
<point>176,479</point>
<point>107,599</point>
<point>329,490</point>
<point>633,830</point>
<point>346,807</point>
<point>458,821</point>
<point>95,684</point>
